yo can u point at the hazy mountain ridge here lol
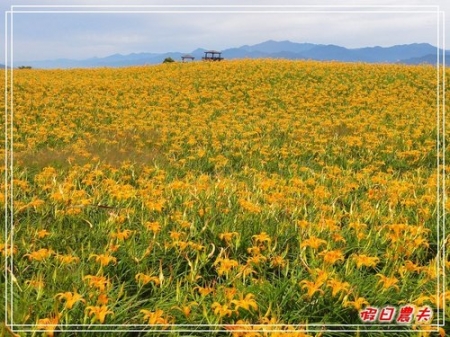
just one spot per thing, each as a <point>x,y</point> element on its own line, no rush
<point>416,53</point>
<point>428,59</point>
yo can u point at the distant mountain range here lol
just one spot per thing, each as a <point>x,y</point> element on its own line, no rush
<point>417,53</point>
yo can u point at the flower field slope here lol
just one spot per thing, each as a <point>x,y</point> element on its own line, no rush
<point>255,192</point>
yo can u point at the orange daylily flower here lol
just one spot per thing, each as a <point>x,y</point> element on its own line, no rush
<point>99,282</point>
<point>48,324</point>
<point>365,261</point>
<point>70,298</point>
<point>144,279</point>
<point>357,303</point>
<point>388,282</point>
<point>221,310</point>
<point>246,302</point>
<point>103,259</point>
<point>99,312</point>
<point>40,254</point>
<point>313,242</point>
<point>225,265</point>
<point>154,317</point>
<point>312,287</point>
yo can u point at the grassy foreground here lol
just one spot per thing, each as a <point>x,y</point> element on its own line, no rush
<point>256,192</point>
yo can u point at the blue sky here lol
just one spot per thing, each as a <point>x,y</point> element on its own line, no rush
<point>41,36</point>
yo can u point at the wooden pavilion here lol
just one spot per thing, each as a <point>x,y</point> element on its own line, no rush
<point>212,55</point>
<point>187,57</point>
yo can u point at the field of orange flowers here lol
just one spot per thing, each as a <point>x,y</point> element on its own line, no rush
<point>279,195</point>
